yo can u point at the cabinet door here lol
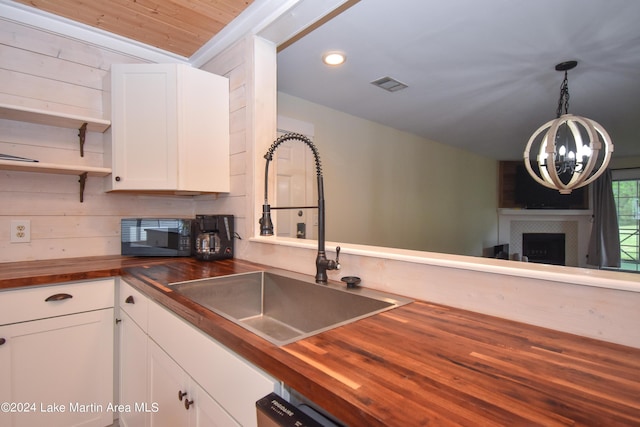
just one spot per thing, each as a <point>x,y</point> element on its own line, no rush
<point>234,383</point>
<point>180,400</point>
<point>206,412</point>
<point>170,129</point>
<point>167,382</point>
<point>133,374</point>
<point>144,130</point>
<point>203,131</point>
<point>60,369</point>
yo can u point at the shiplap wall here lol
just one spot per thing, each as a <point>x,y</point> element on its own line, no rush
<point>232,64</point>
<point>42,70</point>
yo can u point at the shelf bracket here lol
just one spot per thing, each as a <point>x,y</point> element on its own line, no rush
<point>82,181</point>
<point>82,133</point>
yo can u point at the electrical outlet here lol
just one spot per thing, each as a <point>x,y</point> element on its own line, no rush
<point>20,231</point>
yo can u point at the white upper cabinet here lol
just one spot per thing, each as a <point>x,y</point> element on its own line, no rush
<point>169,129</point>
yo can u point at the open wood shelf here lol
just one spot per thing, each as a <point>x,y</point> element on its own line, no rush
<point>44,117</point>
<point>53,168</point>
<point>58,119</point>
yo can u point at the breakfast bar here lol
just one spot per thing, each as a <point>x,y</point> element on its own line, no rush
<point>419,364</point>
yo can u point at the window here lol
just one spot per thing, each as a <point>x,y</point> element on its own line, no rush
<point>626,192</point>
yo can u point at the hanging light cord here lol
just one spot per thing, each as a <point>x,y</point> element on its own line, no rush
<point>564,97</point>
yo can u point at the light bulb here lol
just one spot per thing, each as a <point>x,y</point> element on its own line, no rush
<point>542,158</point>
<point>586,151</point>
<point>334,58</point>
<point>562,151</point>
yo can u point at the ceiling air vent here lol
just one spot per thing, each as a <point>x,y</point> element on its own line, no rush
<point>387,83</point>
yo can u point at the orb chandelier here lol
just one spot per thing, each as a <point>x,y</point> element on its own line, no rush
<point>572,151</point>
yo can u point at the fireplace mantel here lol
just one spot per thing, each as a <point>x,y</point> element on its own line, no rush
<point>576,224</point>
<point>546,212</point>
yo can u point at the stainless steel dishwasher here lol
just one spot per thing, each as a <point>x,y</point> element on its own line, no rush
<point>273,411</point>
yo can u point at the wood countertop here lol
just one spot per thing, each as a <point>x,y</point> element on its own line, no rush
<point>419,364</point>
<point>32,273</point>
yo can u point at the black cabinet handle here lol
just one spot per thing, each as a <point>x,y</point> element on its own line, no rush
<point>181,394</point>
<point>130,300</point>
<point>187,404</point>
<point>59,297</point>
<point>2,341</point>
<point>118,178</point>
<point>118,321</point>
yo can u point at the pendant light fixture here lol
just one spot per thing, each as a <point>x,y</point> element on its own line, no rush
<point>572,151</point>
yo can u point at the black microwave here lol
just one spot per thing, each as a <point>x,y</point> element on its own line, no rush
<point>156,236</point>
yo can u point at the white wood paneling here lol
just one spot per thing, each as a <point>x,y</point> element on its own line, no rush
<point>42,42</point>
<point>42,70</point>
<point>52,68</point>
<point>45,90</point>
<point>49,143</point>
<point>45,195</point>
<point>232,64</point>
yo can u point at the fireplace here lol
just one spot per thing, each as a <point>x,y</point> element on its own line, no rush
<point>574,224</point>
<point>544,248</point>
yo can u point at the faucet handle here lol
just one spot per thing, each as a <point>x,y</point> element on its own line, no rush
<point>337,257</point>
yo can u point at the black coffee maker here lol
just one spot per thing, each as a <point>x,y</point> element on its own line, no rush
<point>213,237</point>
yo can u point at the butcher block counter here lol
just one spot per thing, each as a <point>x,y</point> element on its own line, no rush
<point>419,364</point>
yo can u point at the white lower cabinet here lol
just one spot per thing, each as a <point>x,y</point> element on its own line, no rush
<point>134,404</point>
<point>182,376</point>
<point>179,400</point>
<point>57,363</point>
<point>57,371</point>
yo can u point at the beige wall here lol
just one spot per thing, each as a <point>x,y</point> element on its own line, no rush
<point>384,187</point>
<point>624,162</point>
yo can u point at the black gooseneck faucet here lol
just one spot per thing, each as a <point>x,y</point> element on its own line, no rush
<point>266,225</point>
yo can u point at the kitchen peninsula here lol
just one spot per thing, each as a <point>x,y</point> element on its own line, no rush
<point>419,364</point>
<point>423,363</point>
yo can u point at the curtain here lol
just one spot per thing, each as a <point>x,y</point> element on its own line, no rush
<point>604,245</point>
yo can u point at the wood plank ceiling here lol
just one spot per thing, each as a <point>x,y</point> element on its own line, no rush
<point>178,26</point>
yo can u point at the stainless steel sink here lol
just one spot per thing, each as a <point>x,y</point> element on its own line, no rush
<point>283,307</point>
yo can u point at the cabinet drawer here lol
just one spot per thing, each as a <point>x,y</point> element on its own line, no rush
<point>134,303</point>
<point>41,302</point>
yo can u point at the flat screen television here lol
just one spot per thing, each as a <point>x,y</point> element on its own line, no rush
<point>531,195</point>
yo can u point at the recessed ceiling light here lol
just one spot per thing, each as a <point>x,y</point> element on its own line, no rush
<point>334,58</point>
